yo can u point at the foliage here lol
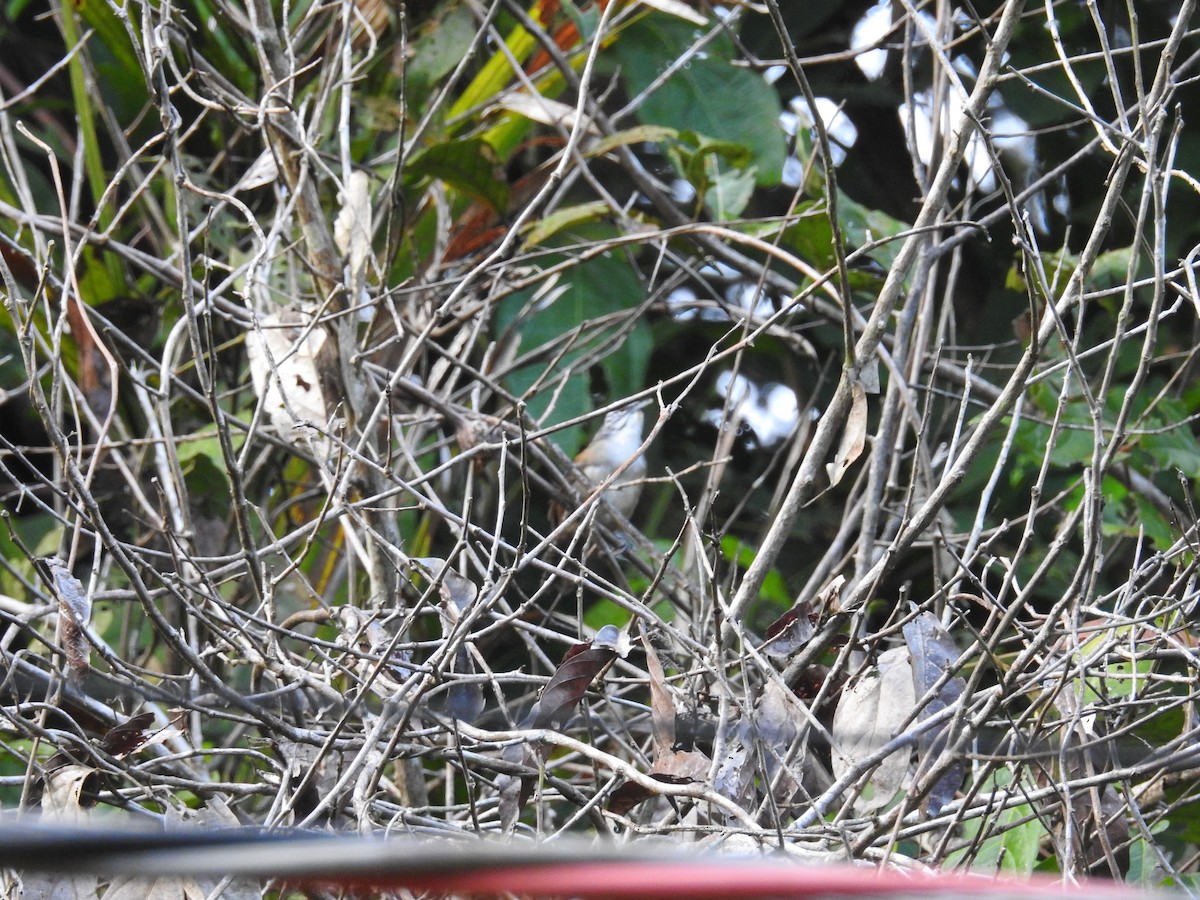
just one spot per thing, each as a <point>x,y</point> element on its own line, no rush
<point>308,307</point>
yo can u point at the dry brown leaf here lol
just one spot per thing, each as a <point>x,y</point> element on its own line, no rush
<point>582,665</point>
<point>75,612</point>
<point>933,652</point>
<point>662,706</point>
<point>854,437</point>
<point>691,765</point>
<point>790,632</point>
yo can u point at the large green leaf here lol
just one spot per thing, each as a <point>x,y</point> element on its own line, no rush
<point>596,288</point>
<point>469,165</point>
<point>444,40</point>
<point>1011,840</point>
<point>708,96</point>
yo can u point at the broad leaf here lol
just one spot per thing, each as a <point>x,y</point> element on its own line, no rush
<point>469,166</point>
<point>708,95</point>
<point>568,684</point>
<point>933,654</point>
<point>870,713</point>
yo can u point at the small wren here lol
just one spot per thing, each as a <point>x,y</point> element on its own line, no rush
<point>615,444</point>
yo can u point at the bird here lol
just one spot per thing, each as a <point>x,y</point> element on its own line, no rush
<point>617,443</point>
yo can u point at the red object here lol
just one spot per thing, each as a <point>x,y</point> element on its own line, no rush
<point>708,878</point>
<point>462,866</point>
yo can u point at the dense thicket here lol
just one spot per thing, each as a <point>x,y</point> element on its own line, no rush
<point>308,308</point>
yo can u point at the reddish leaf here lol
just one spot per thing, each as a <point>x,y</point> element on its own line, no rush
<point>630,794</point>
<point>568,684</point>
<point>580,666</point>
<point>808,683</point>
<point>789,632</point>
<point>662,707</point>
<point>127,737</point>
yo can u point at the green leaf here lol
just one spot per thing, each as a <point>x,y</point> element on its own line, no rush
<point>639,134</point>
<point>774,588</point>
<point>496,73</point>
<point>729,191</point>
<point>469,165</point>
<point>721,171</point>
<point>96,282</point>
<point>1010,848</point>
<point>39,532</point>
<point>1112,678</point>
<point>598,287</point>
<point>441,47</point>
<point>862,225</point>
<point>605,612</point>
<point>562,219</point>
<point>811,236</point>
<point>1153,524</point>
<point>708,96</point>
<point>116,63</point>
<point>208,485</point>
<point>1173,448</point>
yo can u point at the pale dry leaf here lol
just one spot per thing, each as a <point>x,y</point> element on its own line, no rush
<point>216,813</point>
<point>62,792</point>
<point>538,109</point>
<point>677,9</point>
<point>868,375</point>
<point>869,714</point>
<point>283,356</point>
<point>352,227</point>
<point>458,592</point>
<point>262,172</point>
<point>161,888</point>
<point>37,886</point>
<point>828,600</point>
<point>735,775</point>
<point>854,436</point>
<point>775,720</point>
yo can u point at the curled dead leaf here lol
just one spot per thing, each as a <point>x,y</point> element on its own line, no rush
<point>854,436</point>
<point>284,356</point>
<point>352,227</point>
